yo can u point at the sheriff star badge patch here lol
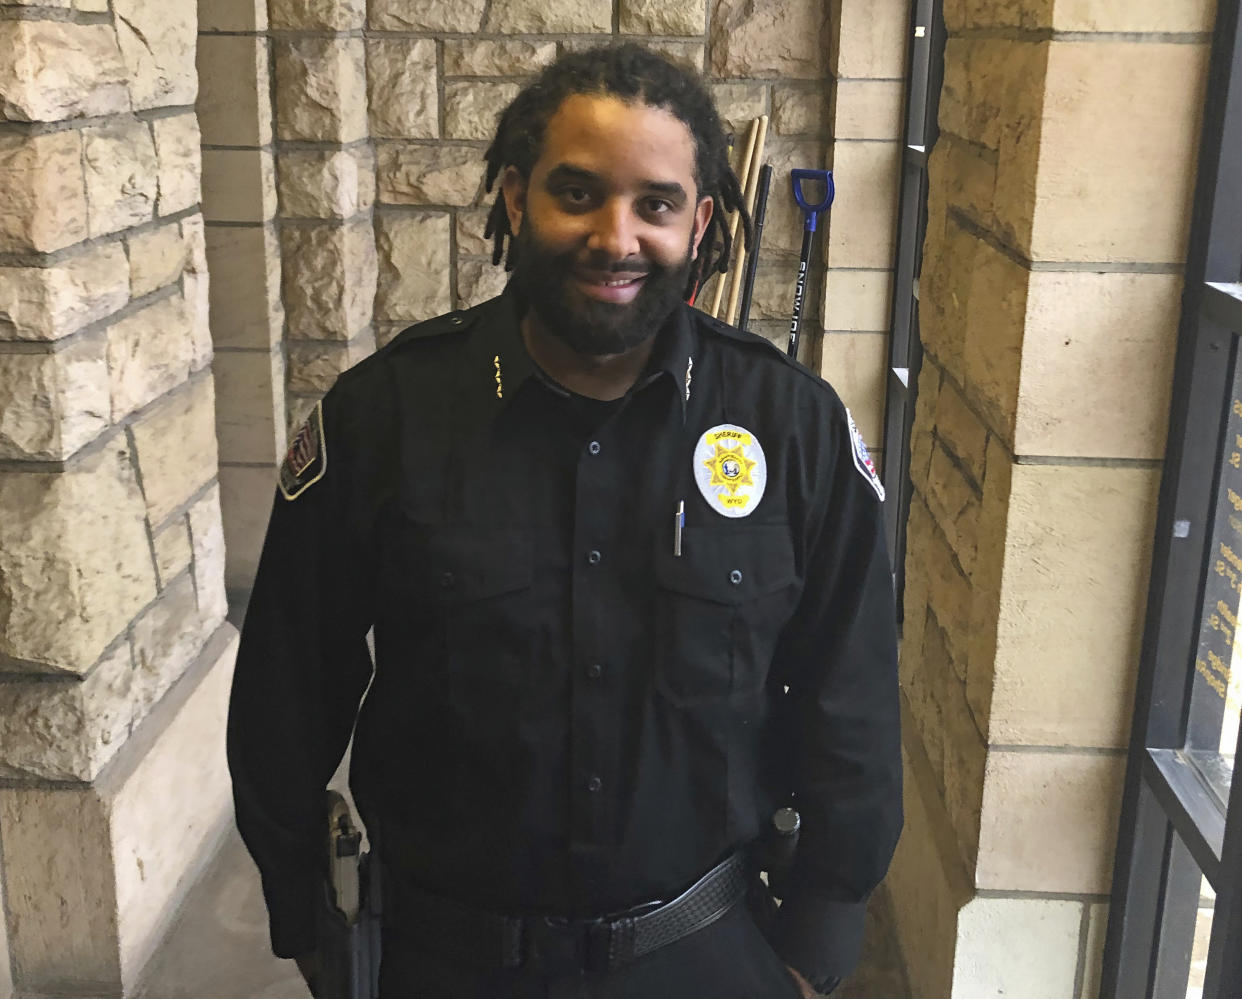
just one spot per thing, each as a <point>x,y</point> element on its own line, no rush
<point>730,470</point>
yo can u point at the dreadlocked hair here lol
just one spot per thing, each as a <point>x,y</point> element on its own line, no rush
<point>633,74</point>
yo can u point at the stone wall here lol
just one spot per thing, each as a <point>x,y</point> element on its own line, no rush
<point>114,652</point>
<point>1060,195</point>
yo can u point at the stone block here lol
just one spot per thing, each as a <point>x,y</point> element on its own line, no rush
<point>1138,16</point>
<point>1104,111</point>
<point>232,15</point>
<point>246,495</point>
<point>328,279</point>
<point>177,144</point>
<point>196,285</point>
<point>739,104</point>
<point>687,54</point>
<point>948,591</point>
<point>74,559</point>
<point>1021,948</point>
<point>855,364</point>
<point>156,259</point>
<point>239,185</point>
<point>321,89</point>
<point>799,112</point>
<point>954,501</point>
<point>1078,552</point>
<point>47,303</point>
<point>315,364</point>
<point>960,431</point>
<point>149,353</point>
<point>166,640</point>
<point>176,448</point>
<point>863,223</point>
<point>651,17</point>
<point>318,15</point>
<point>465,16</point>
<point>207,537</point>
<point>323,184</point>
<point>121,175</point>
<point>44,207</point>
<point>250,405</point>
<point>1097,364</point>
<point>477,281</point>
<point>857,300</point>
<point>470,227</point>
<point>53,404</point>
<point>414,264</point>
<point>467,57</point>
<point>783,38</point>
<point>773,294</point>
<point>782,232</point>
<point>53,70</point>
<point>471,109</point>
<point>89,6</point>
<point>245,302</point>
<point>1025,795</point>
<point>172,551</point>
<point>867,40</point>
<point>867,109</point>
<point>117,858</point>
<point>402,88</point>
<point>429,175</point>
<point>157,41</point>
<point>540,17</point>
<point>234,103</point>
<point>964,752</point>
<point>1093,960</point>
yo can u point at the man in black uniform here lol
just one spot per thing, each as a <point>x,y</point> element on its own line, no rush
<point>625,570</point>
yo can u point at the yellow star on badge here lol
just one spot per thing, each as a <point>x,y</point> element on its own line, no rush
<point>730,468</point>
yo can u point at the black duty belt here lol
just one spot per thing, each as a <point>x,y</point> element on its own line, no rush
<point>560,946</point>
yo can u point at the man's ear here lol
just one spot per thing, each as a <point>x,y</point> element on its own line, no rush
<point>702,215</point>
<point>513,187</point>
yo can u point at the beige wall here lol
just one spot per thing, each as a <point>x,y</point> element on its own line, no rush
<point>1059,201</point>
<point>114,654</point>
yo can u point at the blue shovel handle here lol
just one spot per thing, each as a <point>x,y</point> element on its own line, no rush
<point>813,211</point>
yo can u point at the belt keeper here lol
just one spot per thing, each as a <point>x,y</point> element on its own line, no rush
<point>621,942</point>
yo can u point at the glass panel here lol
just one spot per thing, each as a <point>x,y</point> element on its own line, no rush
<point>1186,928</point>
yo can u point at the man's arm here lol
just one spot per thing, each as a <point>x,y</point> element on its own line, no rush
<point>839,660</point>
<point>301,670</point>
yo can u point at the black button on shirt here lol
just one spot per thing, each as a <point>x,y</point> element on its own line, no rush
<point>462,515</point>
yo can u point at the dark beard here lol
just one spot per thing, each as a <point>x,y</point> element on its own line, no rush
<point>543,279</point>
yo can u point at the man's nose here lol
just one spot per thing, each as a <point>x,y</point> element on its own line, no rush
<point>614,232</point>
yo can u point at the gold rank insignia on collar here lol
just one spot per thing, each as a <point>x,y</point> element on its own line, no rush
<point>689,369</point>
<point>500,385</point>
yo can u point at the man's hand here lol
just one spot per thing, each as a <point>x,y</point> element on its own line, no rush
<point>308,965</point>
<point>804,985</point>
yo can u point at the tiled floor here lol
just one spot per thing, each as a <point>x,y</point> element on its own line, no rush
<point>218,948</point>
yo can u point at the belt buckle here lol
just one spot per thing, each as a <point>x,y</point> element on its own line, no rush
<point>557,946</point>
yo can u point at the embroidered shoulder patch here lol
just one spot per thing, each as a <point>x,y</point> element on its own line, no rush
<point>307,458</point>
<point>862,459</point>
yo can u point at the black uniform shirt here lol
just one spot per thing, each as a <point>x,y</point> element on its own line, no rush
<point>568,717</point>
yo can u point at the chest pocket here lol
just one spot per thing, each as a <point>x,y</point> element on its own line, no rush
<point>720,610</point>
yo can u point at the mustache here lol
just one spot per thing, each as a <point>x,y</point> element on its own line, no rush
<point>602,265</point>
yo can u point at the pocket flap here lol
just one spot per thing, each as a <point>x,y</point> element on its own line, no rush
<point>465,563</point>
<point>728,565</point>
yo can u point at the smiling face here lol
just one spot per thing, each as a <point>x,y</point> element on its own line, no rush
<point>607,223</point>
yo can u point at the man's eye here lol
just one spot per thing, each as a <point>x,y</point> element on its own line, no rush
<point>658,206</point>
<point>575,195</point>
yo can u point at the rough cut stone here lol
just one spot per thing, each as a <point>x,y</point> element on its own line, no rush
<point>663,17</point>
<point>157,41</point>
<point>75,565</point>
<point>52,70</point>
<point>549,16</point>
<point>477,281</point>
<point>318,183</point>
<point>464,57</point>
<point>176,445</point>
<point>738,104</point>
<point>44,203</point>
<point>177,145</point>
<point>427,15</point>
<point>167,639</point>
<point>414,264</point>
<point>172,551</point>
<point>245,267</point>
<point>321,89</point>
<point>430,175</point>
<point>234,102</point>
<point>687,54</point>
<point>329,279</point>
<point>196,285</point>
<point>321,15</point>
<point>315,364</point>
<point>799,112</point>
<point>149,353</point>
<point>47,303</point>
<point>121,179</point>
<point>52,404</point>
<point>471,109</point>
<point>401,85</point>
<point>207,537</point>
<point>156,258</point>
<point>778,38</point>
<point>471,225</point>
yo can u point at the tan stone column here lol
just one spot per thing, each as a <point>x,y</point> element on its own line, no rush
<point>1060,194</point>
<point>114,655</point>
<point>243,254</point>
